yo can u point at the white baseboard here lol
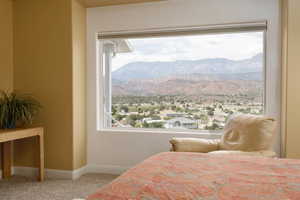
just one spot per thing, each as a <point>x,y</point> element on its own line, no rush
<point>79,172</point>
<point>26,171</point>
<point>65,174</point>
<point>50,173</point>
<point>107,169</point>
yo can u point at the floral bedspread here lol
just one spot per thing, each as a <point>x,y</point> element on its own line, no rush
<point>195,176</point>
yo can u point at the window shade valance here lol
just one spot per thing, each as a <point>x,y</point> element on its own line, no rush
<point>207,29</point>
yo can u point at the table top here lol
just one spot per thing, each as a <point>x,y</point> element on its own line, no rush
<point>20,133</point>
<point>19,129</point>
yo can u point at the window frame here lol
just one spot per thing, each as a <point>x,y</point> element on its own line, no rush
<point>261,26</point>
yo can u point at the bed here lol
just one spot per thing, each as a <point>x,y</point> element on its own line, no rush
<point>196,176</point>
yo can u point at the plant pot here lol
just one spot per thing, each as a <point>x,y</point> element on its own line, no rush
<point>11,125</point>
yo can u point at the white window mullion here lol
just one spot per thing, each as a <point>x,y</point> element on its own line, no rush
<point>108,54</point>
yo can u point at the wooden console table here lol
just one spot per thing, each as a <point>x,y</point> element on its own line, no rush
<point>6,139</point>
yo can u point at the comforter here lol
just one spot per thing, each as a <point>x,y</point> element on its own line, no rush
<point>196,176</point>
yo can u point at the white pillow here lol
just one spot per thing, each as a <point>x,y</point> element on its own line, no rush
<point>248,133</point>
<point>194,145</point>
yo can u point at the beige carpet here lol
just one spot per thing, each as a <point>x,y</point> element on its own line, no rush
<point>21,188</point>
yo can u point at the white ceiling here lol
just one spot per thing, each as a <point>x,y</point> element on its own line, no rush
<point>96,3</point>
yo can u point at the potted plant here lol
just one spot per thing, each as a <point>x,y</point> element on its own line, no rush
<point>17,109</point>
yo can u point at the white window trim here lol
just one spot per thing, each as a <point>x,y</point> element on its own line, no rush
<point>210,29</point>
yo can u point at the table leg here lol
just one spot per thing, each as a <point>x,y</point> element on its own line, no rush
<point>6,159</point>
<point>41,157</point>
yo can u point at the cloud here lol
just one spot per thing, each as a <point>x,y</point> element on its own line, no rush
<point>234,46</point>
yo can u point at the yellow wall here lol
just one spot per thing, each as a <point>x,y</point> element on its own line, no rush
<point>6,45</point>
<point>49,62</point>
<point>79,86</point>
<point>43,67</point>
<point>292,70</point>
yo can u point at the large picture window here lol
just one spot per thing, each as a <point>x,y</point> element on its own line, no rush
<point>182,81</point>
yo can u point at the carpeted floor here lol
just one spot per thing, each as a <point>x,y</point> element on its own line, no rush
<point>21,188</point>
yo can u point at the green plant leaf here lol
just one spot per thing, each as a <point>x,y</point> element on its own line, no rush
<point>17,108</point>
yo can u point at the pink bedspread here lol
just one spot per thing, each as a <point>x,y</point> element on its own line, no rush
<point>194,176</point>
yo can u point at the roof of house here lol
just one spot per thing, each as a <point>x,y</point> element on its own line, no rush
<point>182,120</point>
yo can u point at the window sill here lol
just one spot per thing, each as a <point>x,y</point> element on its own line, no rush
<point>204,134</point>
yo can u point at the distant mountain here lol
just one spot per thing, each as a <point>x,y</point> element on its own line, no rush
<point>250,76</point>
<point>176,86</point>
<point>200,77</point>
<point>153,70</point>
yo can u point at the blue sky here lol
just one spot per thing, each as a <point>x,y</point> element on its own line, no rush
<point>234,46</point>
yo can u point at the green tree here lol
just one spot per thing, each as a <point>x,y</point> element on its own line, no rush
<point>113,110</point>
<point>214,126</point>
<point>125,108</point>
<point>140,110</point>
<point>203,117</point>
<point>162,107</point>
<point>156,125</point>
<point>135,117</point>
<point>145,125</point>
<point>118,117</point>
<point>210,113</point>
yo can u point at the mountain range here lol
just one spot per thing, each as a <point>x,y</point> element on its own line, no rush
<point>197,77</point>
<point>150,70</point>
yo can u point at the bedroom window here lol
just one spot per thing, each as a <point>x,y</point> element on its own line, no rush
<point>181,80</point>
